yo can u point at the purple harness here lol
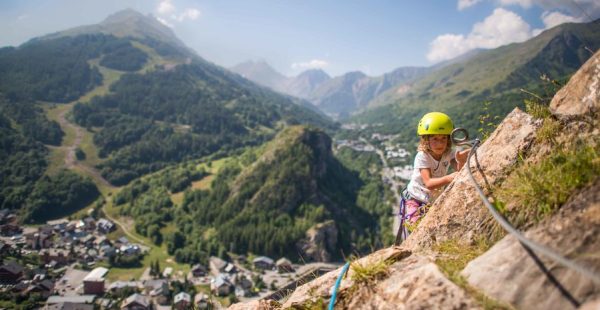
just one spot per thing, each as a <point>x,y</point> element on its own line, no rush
<point>403,231</point>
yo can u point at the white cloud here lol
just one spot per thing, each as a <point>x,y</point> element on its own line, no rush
<point>169,13</point>
<point>164,22</point>
<point>552,19</point>
<point>463,4</point>
<point>500,28</point>
<point>165,7</point>
<point>188,13</point>
<point>447,46</point>
<point>313,64</point>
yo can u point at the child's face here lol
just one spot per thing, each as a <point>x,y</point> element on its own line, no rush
<point>438,144</point>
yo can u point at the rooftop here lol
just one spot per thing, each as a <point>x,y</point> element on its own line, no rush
<point>96,275</point>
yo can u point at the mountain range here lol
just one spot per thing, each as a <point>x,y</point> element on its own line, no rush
<point>475,77</point>
<point>338,97</point>
<point>144,99</point>
<point>484,87</point>
<point>145,103</point>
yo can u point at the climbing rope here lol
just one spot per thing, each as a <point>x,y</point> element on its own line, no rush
<point>337,285</point>
<point>506,225</point>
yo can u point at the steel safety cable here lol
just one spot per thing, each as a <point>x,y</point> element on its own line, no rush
<point>510,229</point>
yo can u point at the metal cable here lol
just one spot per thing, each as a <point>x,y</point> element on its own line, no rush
<point>531,244</point>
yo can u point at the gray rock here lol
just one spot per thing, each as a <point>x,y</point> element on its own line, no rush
<point>506,272</point>
<point>582,94</point>
<point>320,242</point>
<point>458,213</point>
<point>413,282</point>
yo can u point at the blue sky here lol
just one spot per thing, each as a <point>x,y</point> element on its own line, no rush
<point>374,36</point>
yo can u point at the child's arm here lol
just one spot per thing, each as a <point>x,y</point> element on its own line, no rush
<point>460,159</point>
<point>433,183</point>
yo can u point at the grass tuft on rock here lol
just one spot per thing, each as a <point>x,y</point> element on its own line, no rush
<point>542,187</point>
<point>369,273</point>
<point>453,257</point>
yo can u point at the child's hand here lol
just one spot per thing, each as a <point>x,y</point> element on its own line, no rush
<point>461,156</point>
<point>450,177</point>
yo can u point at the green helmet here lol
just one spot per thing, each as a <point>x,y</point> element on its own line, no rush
<point>435,123</point>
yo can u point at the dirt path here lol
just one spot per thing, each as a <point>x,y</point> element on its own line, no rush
<point>71,161</point>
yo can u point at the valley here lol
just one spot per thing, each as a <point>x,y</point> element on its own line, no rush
<point>130,162</point>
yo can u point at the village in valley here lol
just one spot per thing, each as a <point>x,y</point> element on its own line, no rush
<point>64,265</point>
<point>397,164</point>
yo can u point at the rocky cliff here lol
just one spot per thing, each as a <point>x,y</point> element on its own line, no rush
<point>541,170</point>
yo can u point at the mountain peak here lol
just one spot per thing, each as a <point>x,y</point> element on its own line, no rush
<point>123,15</point>
<point>318,74</point>
<point>126,23</point>
<point>260,72</point>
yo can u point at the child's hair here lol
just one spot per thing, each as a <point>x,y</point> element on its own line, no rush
<point>424,144</point>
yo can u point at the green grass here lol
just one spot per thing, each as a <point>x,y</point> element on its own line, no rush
<point>536,109</point>
<point>456,256</point>
<point>542,187</point>
<point>155,253</point>
<point>53,114</point>
<point>453,258</point>
<point>153,58</point>
<point>369,273</point>
<point>177,198</point>
<point>215,165</point>
<point>549,129</point>
<point>109,76</point>
<point>316,304</point>
<point>89,148</point>
<point>56,160</point>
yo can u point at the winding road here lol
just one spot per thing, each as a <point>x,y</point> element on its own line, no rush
<point>386,174</point>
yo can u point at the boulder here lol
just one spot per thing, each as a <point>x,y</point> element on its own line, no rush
<point>458,213</point>
<point>507,272</point>
<point>413,282</point>
<point>320,242</point>
<point>582,94</point>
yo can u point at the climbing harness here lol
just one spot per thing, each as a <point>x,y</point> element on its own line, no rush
<point>337,285</point>
<point>505,224</point>
<point>405,216</point>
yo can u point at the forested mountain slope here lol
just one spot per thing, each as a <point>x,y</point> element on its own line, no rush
<point>164,105</point>
<point>25,135</point>
<point>270,200</point>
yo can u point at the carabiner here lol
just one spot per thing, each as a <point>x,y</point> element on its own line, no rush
<point>464,140</point>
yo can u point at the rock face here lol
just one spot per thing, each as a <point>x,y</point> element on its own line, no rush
<point>320,242</point>
<point>414,282</point>
<point>458,213</point>
<point>582,94</point>
<point>573,231</point>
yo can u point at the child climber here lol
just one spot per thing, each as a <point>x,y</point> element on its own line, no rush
<point>431,165</point>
